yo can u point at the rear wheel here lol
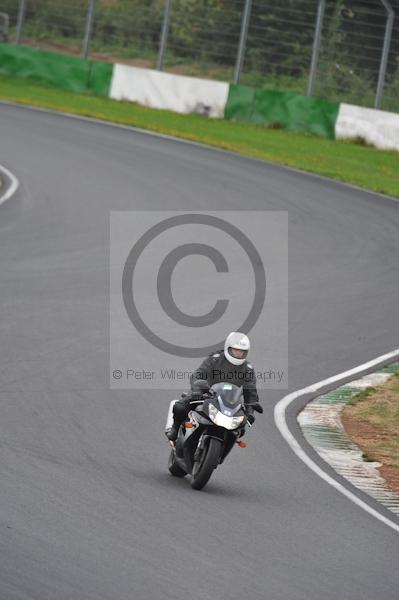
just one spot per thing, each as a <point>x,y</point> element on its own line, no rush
<point>208,461</point>
<point>173,467</point>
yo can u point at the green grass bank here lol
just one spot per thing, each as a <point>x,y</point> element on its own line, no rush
<point>372,422</point>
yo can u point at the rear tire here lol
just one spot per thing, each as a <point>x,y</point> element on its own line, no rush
<point>203,470</point>
<point>173,467</point>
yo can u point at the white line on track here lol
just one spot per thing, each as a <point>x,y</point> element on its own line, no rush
<point>12,188</point>
<point>280,419</point>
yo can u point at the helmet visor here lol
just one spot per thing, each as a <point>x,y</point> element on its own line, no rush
<point>237,353</point>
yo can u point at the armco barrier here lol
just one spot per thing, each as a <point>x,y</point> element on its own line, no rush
<point>288,110</point>
<point>213,98</point>
<point>376,127</point>
<point>65,72</point>
<point>169,92</point>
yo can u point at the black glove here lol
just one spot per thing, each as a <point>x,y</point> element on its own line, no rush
<point>251,419</point>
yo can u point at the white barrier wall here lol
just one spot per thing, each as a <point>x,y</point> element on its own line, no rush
<point>181,94</point>
<point>377,127</point>
<point>170,92</point>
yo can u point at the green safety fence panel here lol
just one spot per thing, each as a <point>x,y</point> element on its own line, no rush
<point>285,109</point>
<point>61,71</point>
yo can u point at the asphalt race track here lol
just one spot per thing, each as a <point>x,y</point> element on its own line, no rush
<point>87,508</point>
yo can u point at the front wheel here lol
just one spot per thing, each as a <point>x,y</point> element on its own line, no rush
<point>173,467</point>
<point>203,468</point>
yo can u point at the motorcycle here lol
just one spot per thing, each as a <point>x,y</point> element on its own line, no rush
<point>213,427</point>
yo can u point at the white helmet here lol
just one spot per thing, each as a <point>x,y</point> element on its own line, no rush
<point>236,348</point>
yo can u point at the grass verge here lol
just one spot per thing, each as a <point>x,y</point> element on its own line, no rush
<point>364,166</point>
<point>361,396</point>
<point>373,424</point>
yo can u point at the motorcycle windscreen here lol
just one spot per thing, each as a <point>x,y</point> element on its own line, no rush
<point>229,393</point>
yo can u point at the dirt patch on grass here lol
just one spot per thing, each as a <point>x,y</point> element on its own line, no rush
<point>372,422</point>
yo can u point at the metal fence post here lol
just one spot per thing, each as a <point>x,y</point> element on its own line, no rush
<point>89,28</point>
<point>4,27</point>
<point>164,34</point>
<point>316,46</point>
<point>20,21</point>
<point>385,53</point>
<point>246,15</point>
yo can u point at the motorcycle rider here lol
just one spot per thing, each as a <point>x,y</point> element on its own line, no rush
<point>226,365</point>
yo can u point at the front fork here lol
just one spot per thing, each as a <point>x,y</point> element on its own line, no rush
<point>202,441</point>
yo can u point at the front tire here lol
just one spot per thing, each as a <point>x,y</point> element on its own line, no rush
<point>173,467</point>
<point>204,468</point>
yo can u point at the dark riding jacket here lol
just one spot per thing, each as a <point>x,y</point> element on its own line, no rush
<point>216,369</point>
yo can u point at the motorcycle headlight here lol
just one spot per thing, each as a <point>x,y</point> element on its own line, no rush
<point>223,420</point>
<point>236,421</point>
<point>213,411</point>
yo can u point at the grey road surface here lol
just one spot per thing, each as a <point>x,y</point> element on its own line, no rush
<point>87,508</point>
